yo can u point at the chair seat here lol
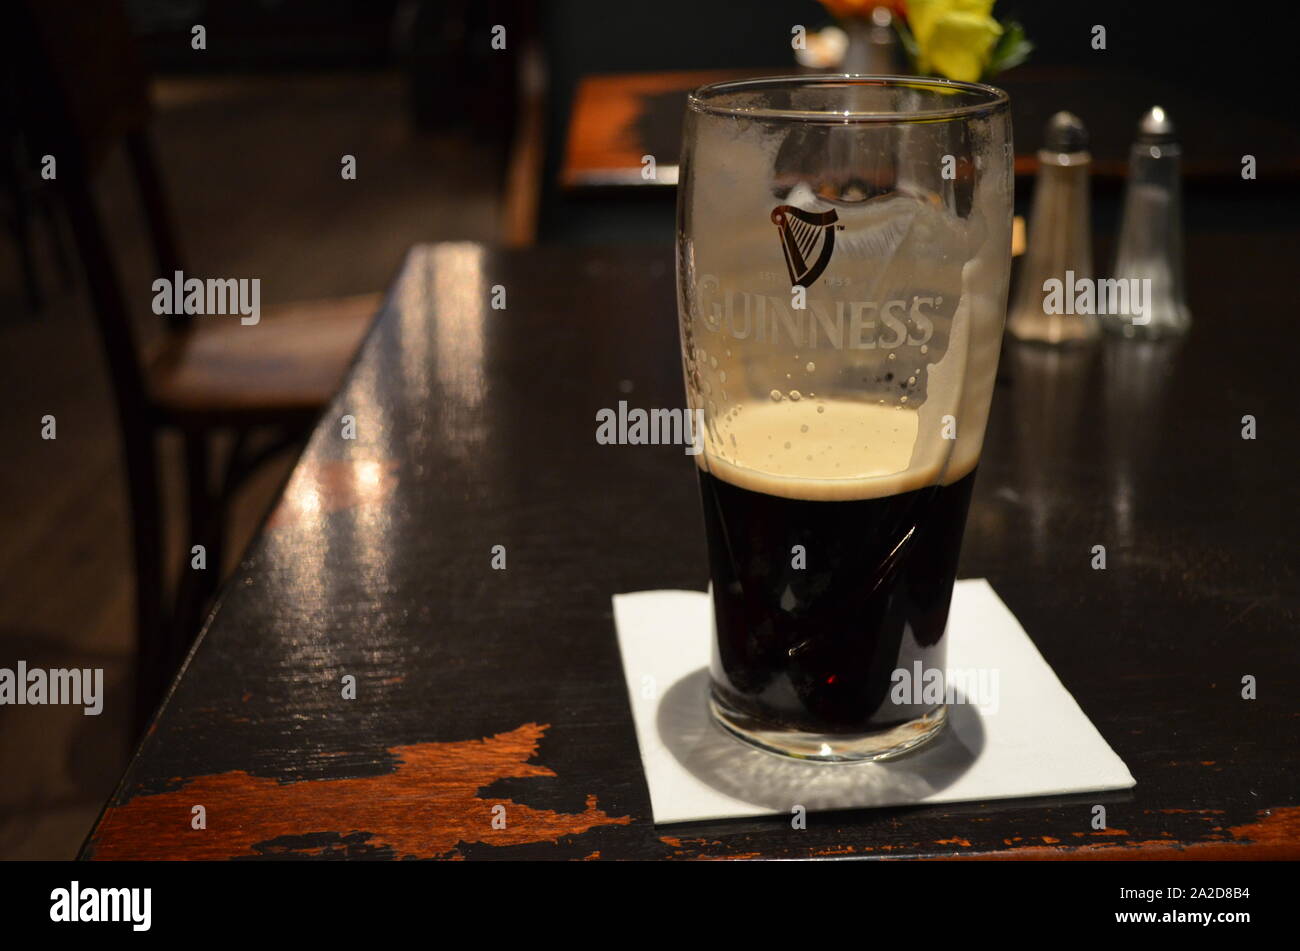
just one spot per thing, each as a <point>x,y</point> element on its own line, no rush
<point>289,364</point>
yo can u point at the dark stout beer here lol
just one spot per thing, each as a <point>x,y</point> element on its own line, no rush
<point>841,307</point>
<point>812,649</point>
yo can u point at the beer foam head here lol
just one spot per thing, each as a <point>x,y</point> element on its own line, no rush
<point>822,450</point>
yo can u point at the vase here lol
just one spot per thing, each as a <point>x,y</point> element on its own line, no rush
<point>873,48</point>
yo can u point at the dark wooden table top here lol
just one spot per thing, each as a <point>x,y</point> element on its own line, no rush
<point>617,119</point>
<point>478,688</point>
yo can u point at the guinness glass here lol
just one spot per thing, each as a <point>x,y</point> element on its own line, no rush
<point>843,246</point>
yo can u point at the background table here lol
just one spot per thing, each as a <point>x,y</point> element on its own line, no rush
<point>618,118</point>
<point>479,688</point>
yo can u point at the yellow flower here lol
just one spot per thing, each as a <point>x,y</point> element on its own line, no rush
<point>954,38</point>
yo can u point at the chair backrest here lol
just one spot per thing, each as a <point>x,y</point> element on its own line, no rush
<point>84,92</point>
<point>90,60</point>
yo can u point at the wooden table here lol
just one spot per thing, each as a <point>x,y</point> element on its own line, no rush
<point>619,118</point>
<point>478,688</point>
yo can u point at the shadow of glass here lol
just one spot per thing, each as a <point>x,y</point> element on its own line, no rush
<point>764,779</point>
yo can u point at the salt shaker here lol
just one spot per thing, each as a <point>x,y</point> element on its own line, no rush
<point>1149,261</point>
<point>1059,241</point>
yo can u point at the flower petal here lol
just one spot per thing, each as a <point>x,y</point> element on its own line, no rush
<point>961,44</point>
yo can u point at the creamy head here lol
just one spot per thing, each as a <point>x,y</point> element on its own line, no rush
<point>827,450</point>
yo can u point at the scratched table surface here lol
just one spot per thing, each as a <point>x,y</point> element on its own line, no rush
<point>478,688</point>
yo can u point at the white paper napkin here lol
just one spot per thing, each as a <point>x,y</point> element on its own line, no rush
<point>1028,739</point>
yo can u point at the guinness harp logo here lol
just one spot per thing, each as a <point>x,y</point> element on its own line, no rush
<point>807,238</point>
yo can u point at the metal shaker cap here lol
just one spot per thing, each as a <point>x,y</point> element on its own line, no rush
<point>1065,133</point>
<point>1156,127</point>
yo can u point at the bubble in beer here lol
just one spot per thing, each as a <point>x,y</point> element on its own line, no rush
<point>796,395</point>
<point>722,376</point>
<point>811,366</point>
<point>803,428</point>
<point>787,445</point>
<point>776,396</point>
<point>713,362</point>
<point>821,409</point>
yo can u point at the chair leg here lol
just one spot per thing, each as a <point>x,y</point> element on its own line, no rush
<point>139,442</point>
<point>54,228</point>
<point>196,585</point>
<point>214,538</point>
<point>153,197</point>
<point>153,666</point>
<point>20,224</point>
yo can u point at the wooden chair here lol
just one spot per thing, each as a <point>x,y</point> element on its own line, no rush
<point>212,379</point>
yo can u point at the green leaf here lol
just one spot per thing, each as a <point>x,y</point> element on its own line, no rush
<point>1012,49</point>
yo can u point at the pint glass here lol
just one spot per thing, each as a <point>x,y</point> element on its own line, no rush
<point>843,246</point>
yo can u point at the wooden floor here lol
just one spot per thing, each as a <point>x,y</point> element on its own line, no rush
<point>252,166</point>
